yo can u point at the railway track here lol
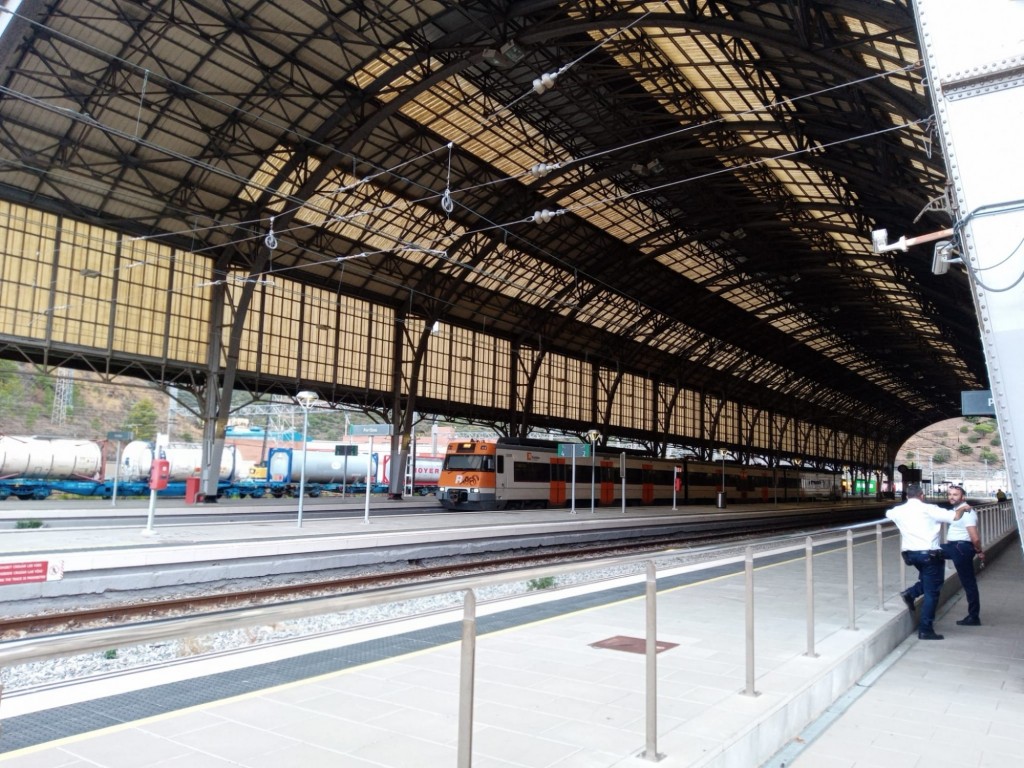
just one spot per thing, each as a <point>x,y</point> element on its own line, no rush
<point>117,613</point>
<point>138,607</point>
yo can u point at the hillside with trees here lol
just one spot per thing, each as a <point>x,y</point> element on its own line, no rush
<point>965,450</point>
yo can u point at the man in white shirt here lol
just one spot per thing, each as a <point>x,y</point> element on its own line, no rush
<point>920,525</point>
<point>963,543</point>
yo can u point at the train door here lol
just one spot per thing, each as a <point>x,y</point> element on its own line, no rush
<point>502,476</point>
<point>606,481</point>
<point>557,495</point>
<point>647,484</point>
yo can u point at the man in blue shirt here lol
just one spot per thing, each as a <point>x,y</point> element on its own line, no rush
<point>920,525</point>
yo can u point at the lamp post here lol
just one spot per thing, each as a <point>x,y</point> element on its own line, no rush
<point>305,399</point>
<point>594,436</point>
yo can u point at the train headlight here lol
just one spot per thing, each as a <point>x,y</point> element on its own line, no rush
<point>474,490</point>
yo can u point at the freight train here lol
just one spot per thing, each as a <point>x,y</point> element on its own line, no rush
<point>520,473</point>
<point>327,472</point>
<point>35,467</point>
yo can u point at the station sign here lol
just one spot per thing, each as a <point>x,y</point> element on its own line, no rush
<point>122,437</point>
<point>31,571</point>
<point>346,450</point>
<point>977,402</point>
<point>573,449</point>
<point>372,430</point>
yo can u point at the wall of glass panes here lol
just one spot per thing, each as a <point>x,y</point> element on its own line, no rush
<point>189,326</point>
<point>352,369</point>
<point>83,283</point>
<point>73,283</point>
<point>755,428</point>
<point>140,316</point>
<point>563,389</point>
<point>270,341</point>
<point>630,403</point>
<point>319,335</point>
<point>77,284</point>
<point>463,366</point>
<point>783,433</point>
<point>379,348</point>
<point>27,243</point>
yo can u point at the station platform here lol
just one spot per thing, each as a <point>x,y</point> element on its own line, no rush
<point>566,688</point>
<point>162,552</point>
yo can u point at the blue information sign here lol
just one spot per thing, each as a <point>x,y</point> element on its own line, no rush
<point>373,430</point>
<point>573,449</point>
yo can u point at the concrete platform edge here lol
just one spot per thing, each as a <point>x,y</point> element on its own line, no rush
<point>779,717</point>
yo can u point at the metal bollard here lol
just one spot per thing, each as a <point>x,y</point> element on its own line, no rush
<point>809,570</point>
<point>467,678</point>
<point>651,651</point>
<point>749,569</point>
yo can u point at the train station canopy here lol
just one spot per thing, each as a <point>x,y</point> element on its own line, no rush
<point>684,190</point>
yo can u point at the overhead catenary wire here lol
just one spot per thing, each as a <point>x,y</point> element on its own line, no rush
<point>541,217</point>
<point>305,203</point>
<point>534,218</point>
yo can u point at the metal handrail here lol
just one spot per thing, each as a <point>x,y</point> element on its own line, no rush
<point>86,640</point>
<point>998,522</point>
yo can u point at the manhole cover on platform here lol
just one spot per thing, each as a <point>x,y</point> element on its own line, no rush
<point>632,644</point>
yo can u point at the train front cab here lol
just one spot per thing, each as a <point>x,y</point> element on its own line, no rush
<point>468,476</point>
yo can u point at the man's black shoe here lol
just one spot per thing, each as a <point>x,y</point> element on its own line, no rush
<point>908,600</point>
<point>970,621</point>
<point>929,636</point>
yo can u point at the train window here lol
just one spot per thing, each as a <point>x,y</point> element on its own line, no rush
<point>530,472</point>
<point>665,477</point>
<point>463,462</point>
<point>501,465</point>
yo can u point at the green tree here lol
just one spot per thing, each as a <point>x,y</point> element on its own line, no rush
<point>941,456</point>
<point>986,455</point>
<point>141,420</point>
<point>985,428</point>
<point>965,449</point>
<point>11,389</point>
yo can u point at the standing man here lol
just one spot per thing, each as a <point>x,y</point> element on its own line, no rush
<point>920,525</point>
<point>963,542</point>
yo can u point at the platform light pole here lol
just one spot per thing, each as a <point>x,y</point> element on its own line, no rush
<point>594,436</point>
<point>305,399</point>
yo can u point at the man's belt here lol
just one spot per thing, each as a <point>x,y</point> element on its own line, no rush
<point>923,551</point>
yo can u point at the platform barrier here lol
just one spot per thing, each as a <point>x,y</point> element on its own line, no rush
<point>847,575</point>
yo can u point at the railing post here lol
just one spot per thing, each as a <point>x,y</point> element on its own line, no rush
<point>651,651</point>
<point>809,570</point>
<point>749,568</point>
<point>467,678</point>
<point>878,565</point>
<point>852,624</point>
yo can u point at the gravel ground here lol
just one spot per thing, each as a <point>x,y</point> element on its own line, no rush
<point>84,666</point>
<point>105,662</point>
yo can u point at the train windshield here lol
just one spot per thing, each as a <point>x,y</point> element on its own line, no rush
<point>461,462</point>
